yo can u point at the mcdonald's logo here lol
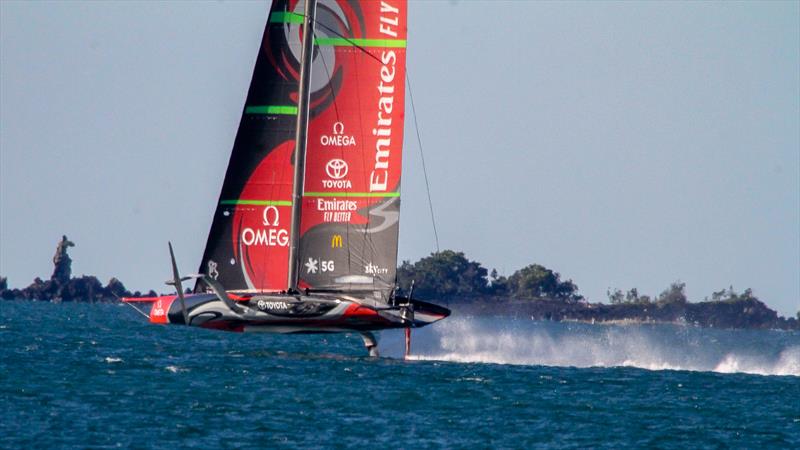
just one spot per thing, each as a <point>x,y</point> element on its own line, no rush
<point>336,241</point>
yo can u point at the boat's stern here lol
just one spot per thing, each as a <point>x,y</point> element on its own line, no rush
<point>165,309</point>
<point>427,313</point>
<point>159,307</point>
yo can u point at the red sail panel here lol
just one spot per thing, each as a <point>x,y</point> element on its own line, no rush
<point>248,245</point>
<point>349,225</point>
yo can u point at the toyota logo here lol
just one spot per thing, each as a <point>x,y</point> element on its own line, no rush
<point>336,169</point>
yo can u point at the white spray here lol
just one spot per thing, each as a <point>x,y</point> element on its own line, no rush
<point>654,347</point>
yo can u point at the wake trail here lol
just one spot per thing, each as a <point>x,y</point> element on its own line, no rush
<point>647,346</point>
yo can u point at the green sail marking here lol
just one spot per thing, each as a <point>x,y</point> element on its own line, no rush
<point>285,17</point>
<point>271,109</point>
<point>257,202</point>
<point>351,194</point>
<point>291,17</point>
<point>351,42</point>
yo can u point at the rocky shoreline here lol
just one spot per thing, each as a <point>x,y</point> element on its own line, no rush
<point>737,314</point>
<point>85,289</point>
<point>741,314</point>
<point>63,287</point>
<point>735,311</point>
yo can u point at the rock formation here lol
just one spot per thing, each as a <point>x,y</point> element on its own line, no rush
<point>62,271</point>
<point>63,287</point>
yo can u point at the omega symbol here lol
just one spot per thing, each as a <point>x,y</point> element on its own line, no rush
<point>271,212</point>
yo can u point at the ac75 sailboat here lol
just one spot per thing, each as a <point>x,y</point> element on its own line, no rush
<point>304,236</point>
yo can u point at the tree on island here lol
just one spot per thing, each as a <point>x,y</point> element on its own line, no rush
<point>730,295</point>
<point>674,294</point>
<point>445,274</point>
<point>537,281</point>
<point>617,297</point>
<point>449,274</point>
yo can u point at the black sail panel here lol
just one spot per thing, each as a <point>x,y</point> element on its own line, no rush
<point>247,247</point>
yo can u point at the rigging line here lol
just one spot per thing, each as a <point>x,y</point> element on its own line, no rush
<point>422,156</point>
<point>137,310</point>
<point>330,81</point>
<point>350,41</point>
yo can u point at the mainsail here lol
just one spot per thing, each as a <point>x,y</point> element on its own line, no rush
<point>349,218</point>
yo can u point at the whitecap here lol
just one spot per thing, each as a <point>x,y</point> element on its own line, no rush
<point>473,379</point>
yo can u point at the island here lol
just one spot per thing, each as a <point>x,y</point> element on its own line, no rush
<point>539,293</point>
<point>466,287</point>
<point>62,286</point>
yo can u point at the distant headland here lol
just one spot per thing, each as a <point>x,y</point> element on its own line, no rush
<point>539,293</point>
<point>465,286</point>
<point>63,287</point>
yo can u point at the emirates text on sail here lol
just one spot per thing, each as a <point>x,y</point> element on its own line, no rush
<point>336,210</point>
<point>379,176</point>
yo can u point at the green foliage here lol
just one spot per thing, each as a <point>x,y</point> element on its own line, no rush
<point>616,297</point>
<point>450,274</point>
<point>731,296</point>
<point>633,297</point>
<point>445,274</point>
<point>538,281</point>
<point>498,284</point>
<point>674,294</point>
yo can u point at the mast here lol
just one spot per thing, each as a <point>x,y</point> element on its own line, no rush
<point>300,139</point>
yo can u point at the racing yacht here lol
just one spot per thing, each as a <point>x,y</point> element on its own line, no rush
<point>304,236</point>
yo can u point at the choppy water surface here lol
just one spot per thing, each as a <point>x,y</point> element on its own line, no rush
<point>76,375</point>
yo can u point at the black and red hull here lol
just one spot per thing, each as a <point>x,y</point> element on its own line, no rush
<point>282,313</point>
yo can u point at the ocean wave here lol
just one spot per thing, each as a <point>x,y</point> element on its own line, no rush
<point>652,347</point>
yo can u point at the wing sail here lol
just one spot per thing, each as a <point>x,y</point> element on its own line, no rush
<point>351,198</point>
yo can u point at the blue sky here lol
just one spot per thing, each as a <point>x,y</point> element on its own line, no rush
<point>620,144</point>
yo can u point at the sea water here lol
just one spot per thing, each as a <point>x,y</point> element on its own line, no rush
<point>97,376</point>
